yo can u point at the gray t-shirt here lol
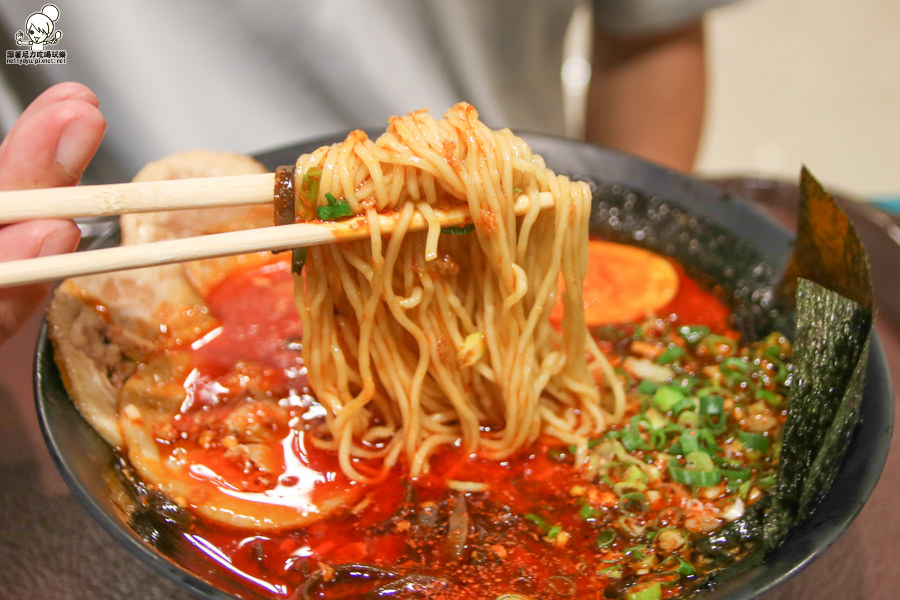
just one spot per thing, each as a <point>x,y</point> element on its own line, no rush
<point>247,76</point>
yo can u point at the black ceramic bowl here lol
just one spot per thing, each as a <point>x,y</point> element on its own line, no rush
<point>748,238</point>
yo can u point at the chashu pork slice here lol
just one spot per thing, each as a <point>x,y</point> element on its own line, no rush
<point>101,326</point>
<point>107,331</point>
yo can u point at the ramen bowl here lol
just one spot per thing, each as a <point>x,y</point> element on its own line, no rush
<point>732,241</point>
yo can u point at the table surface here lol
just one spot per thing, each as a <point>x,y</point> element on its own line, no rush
<point>51,548</point>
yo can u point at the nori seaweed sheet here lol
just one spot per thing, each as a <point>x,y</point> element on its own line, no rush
<point>830,276</point>
<point>831,350</point>
<point>828,249</point>
<point>823,301</point>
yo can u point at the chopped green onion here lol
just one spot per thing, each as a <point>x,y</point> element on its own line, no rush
<point>719,345</point>
<point>635,473</point>
<point>781,370</point>
<point>605,538</point>
<point>669,580</point>
<point>641,419</point>
<point>658,439</point>
<point>771,398</point>
<point>754,441</point>
<point>557,455</point>
<point>673,428</point>
<point>645,403</point>
<point>666,397</point>
<point>309,191</point>
<point>333,213</point>
<point>705,478</point>
<point>699,474</point>
<point>311,179</point>
<point>632,439</point>
<point>694,478</point>
<point>693,333</point>
<point>460,230</point>
<point>636,553</point>
<point>654,419</point>
<point>683,404</point>
<point>698,461</point>
<point>783,373</point>
<point>689,418</point>
<point>711,405</point>
<point>670,355</point>
<point>647,387</point>
<point>554,531</point>
<point>736,474</point>
<point>687,383</point>
<point>336,209</point>
<point>685,568</point>
<point>733,367</point>
<point>715,424</point>
<point>612,571</point>
<point>651,592</point>
<point>689,442</point>
<point>588,512</point>
<point>634,502</point>
<point>711,390</point>
<point>542,523</point>
<point>708,440</point>
<point>766,482</point>
<point>775,450</point>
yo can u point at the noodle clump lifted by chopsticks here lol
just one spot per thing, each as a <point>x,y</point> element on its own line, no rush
<point>431,338</point>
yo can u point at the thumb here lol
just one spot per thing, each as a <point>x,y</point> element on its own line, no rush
<point>50,145</point>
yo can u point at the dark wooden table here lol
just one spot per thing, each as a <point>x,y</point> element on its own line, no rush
<point>51,548</point>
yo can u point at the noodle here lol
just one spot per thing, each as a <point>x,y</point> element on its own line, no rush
<point>434,339</point>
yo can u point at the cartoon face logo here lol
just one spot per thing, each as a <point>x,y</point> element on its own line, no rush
<point>39,29</point>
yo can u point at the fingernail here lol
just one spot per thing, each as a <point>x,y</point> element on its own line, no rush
<point>60,241</point>
<point>74,150</point>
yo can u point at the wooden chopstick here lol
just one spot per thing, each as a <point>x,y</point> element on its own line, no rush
<point>280,237</point>
<point>144,196</point>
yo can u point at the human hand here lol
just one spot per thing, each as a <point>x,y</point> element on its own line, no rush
<point>647,94</point>
<point>49,146</point>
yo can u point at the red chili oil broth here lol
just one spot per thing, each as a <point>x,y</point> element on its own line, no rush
<point>258,323</point>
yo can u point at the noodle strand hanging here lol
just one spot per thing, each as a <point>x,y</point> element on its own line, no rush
<point>424,339</point>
